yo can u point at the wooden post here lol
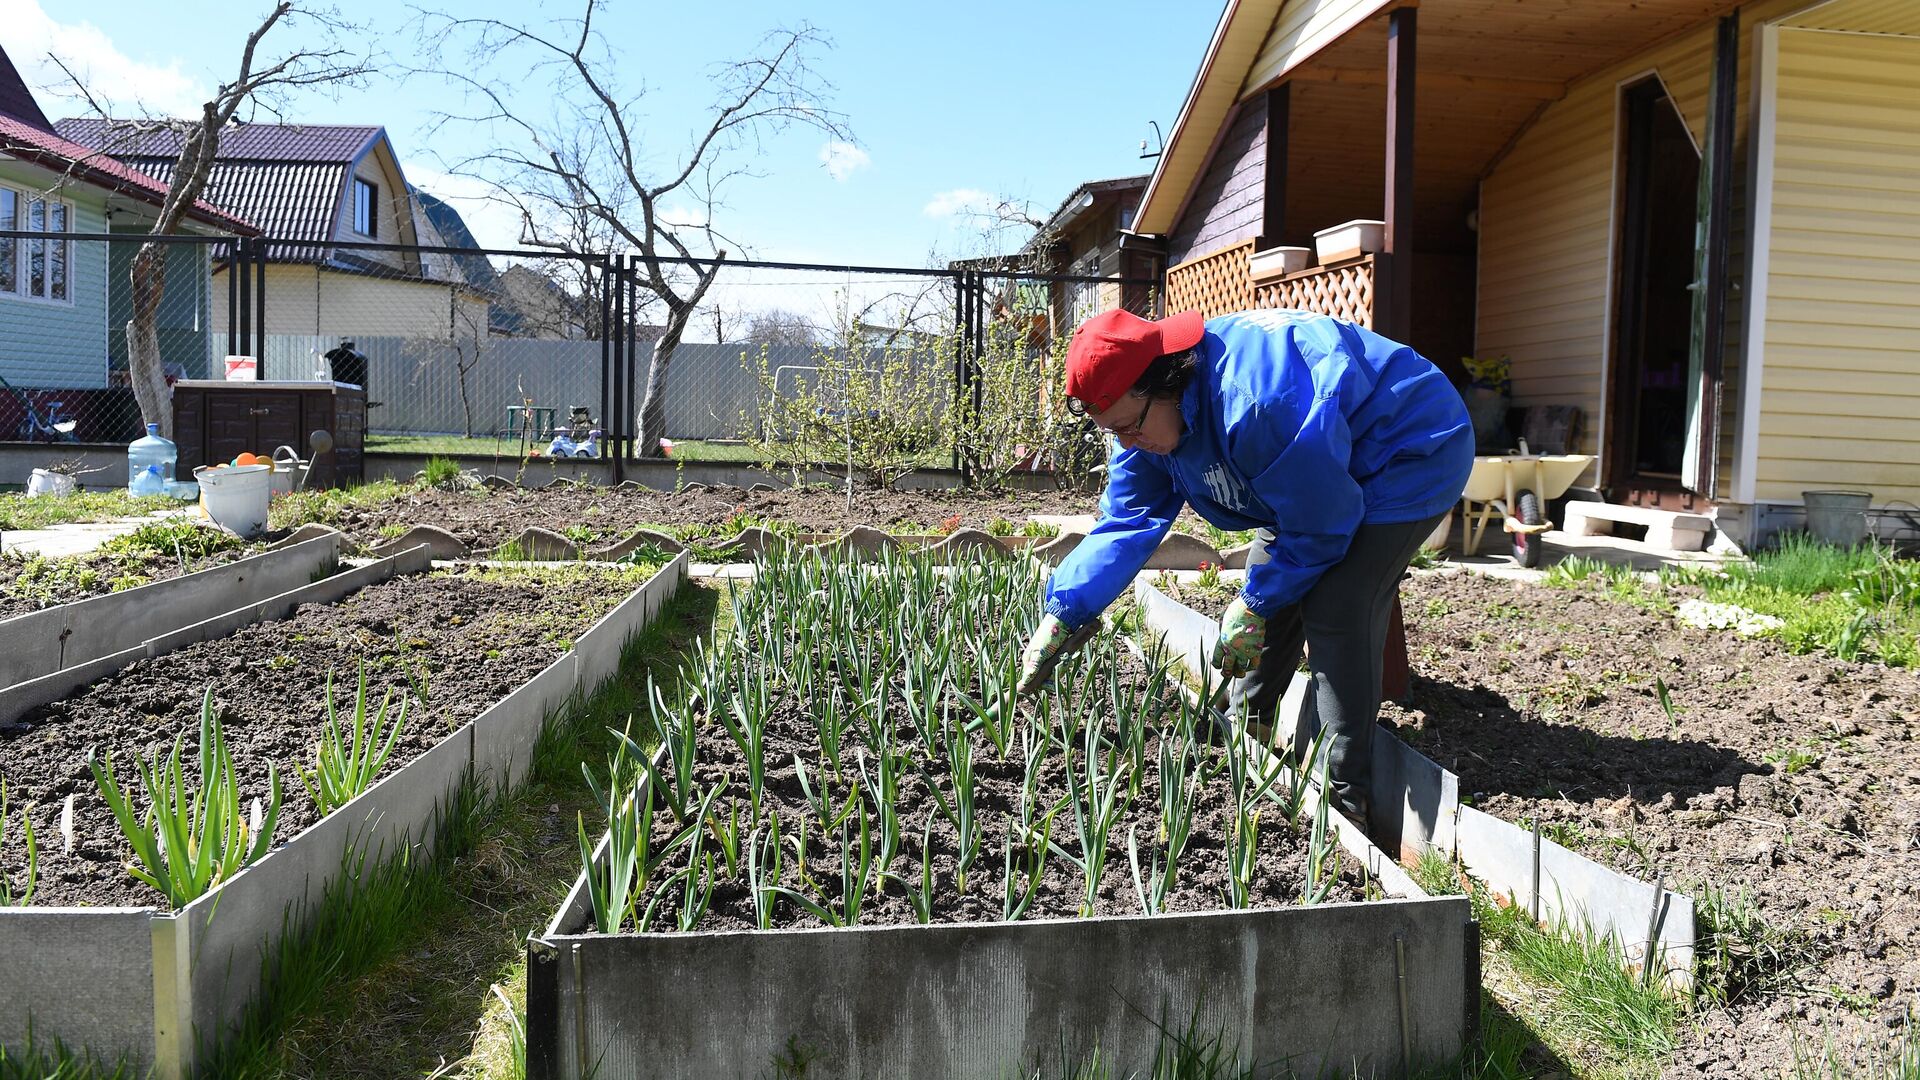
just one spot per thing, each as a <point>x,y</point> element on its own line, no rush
<point>1273,197</point>
<point>1394,295</point>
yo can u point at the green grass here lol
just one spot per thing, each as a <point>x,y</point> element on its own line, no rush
<point>41,1061</point>
<point>1898,1059</point>
<point>1851,603</point>
<point>452,988</point>
<point>18,511</point>
<point>327,506</point>
<point>1580,999</point>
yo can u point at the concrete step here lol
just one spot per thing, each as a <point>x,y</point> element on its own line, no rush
<point>1670,529</point>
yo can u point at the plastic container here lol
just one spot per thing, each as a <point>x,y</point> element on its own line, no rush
<point>1838,517</point>
<point>48,482</point>
<point>1349,239</point>
<point>148,458</point>
<point>1277,260</point>
<point>235,497</point>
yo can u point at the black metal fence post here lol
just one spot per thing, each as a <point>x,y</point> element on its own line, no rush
<point>260,306</point>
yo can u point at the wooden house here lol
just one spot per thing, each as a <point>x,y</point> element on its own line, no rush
<point>1698,221</point>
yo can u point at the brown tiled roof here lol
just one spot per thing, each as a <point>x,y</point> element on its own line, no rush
<point>43,147</point>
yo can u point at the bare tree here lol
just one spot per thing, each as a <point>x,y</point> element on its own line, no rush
<point>581,181</point>
<point>261,83</point>
<point>777,326</point>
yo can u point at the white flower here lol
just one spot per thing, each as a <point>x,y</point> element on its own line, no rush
<point>1711,616</point>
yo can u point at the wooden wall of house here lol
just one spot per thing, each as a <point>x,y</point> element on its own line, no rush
<point>1546,233</point>
<point>1840,382</point>
<point>1227,205</point>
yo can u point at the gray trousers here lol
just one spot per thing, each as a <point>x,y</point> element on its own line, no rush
<point>1342,624</point>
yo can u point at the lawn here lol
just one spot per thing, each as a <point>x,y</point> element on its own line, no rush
<point>506,447</point>
<point>19,511</point>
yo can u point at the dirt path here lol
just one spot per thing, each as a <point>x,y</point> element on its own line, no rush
<point>468,638</point>
<point>1795,779</point>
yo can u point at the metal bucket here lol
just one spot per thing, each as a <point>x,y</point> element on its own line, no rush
<point>1838,517</point>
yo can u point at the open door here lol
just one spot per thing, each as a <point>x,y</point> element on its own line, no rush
<point>1705,344</point>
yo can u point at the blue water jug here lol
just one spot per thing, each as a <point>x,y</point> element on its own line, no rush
<point>150,463</point>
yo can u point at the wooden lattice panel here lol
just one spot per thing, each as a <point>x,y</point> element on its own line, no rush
<point>1213,284</point>
<point>1344,292</point>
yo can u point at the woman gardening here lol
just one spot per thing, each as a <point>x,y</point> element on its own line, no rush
<point>1343,448</point>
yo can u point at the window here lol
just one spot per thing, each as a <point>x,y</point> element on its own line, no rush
<point>366,198</point>
<point>33,267</point>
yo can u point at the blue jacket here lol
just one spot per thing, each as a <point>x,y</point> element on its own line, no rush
<point>1297,423</point>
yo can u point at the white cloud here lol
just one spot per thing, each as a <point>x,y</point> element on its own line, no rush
<point>123,85</point>
<point>678,216</point>
<point>842,159</point>
<point>960,202</point>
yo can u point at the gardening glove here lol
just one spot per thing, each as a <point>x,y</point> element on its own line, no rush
<point>1242,633</point>
<point>1042,653</point>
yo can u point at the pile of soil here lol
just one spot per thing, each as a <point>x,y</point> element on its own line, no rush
<point>1795,778</point>
<point>1202,880</point>
<point>467,638</point>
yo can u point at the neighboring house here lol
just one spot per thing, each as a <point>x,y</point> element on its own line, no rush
<point>313,188</point>
<point>531,303</point>
<point>1723,283</point>
<point>64,303</point>
<point>1087,237</point>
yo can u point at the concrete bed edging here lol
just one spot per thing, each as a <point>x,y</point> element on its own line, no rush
<point>39,643</point>
<point>1422,807</point>
<point>193,975</point>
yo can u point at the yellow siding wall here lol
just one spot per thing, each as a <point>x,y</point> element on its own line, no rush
<point>302,300</point>
<point>1840,394</point>
<point>1546,235</point>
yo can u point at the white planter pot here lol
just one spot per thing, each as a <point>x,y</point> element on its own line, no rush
<point>1274,262</point>
<point>47,482</point>
<point>1348,239</point>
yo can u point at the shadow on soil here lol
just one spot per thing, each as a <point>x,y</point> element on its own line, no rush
<point>1497,748</point>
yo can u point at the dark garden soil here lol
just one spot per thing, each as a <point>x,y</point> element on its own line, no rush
<point>484,518</point>
<point>1795,778</point>
<point>1202,882</point>
<point>467,637</point>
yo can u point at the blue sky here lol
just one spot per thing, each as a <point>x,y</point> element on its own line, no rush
<point>951,105</point>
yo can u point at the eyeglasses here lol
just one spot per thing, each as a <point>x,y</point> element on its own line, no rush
<point>1079,408</point>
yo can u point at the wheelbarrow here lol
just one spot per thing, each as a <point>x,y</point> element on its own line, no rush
<point>1517,487</point>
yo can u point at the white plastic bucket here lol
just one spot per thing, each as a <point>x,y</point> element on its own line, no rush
<point>48,482</point>
<point>235,497</point>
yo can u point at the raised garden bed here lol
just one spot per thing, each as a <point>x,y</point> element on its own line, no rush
<point>1784,783</point>
<point>161,990</point>
<point>465,637</point>
<point>850,755</point>
<point>158,551</point>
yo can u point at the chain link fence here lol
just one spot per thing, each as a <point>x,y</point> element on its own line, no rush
<point>881,370</point>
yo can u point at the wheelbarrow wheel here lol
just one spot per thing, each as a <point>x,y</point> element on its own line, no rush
<point>1527,546</point>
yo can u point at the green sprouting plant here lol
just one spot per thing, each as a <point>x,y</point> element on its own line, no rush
<point>764,861</point>
<point>856,874</point>
<point>439,470</point>
<point>192,836</point>
<point>1209,576</point>
<point>1571,571</point>
<point>1323,852</point>
<point>1666,704</point>
<point>1098,799</point>
<point>1792,758</point>
<point>31,868</point>
<point>347,759</point>
<point>173,538</point>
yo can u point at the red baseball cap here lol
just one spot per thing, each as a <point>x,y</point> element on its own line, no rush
<point>1111,350</point>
